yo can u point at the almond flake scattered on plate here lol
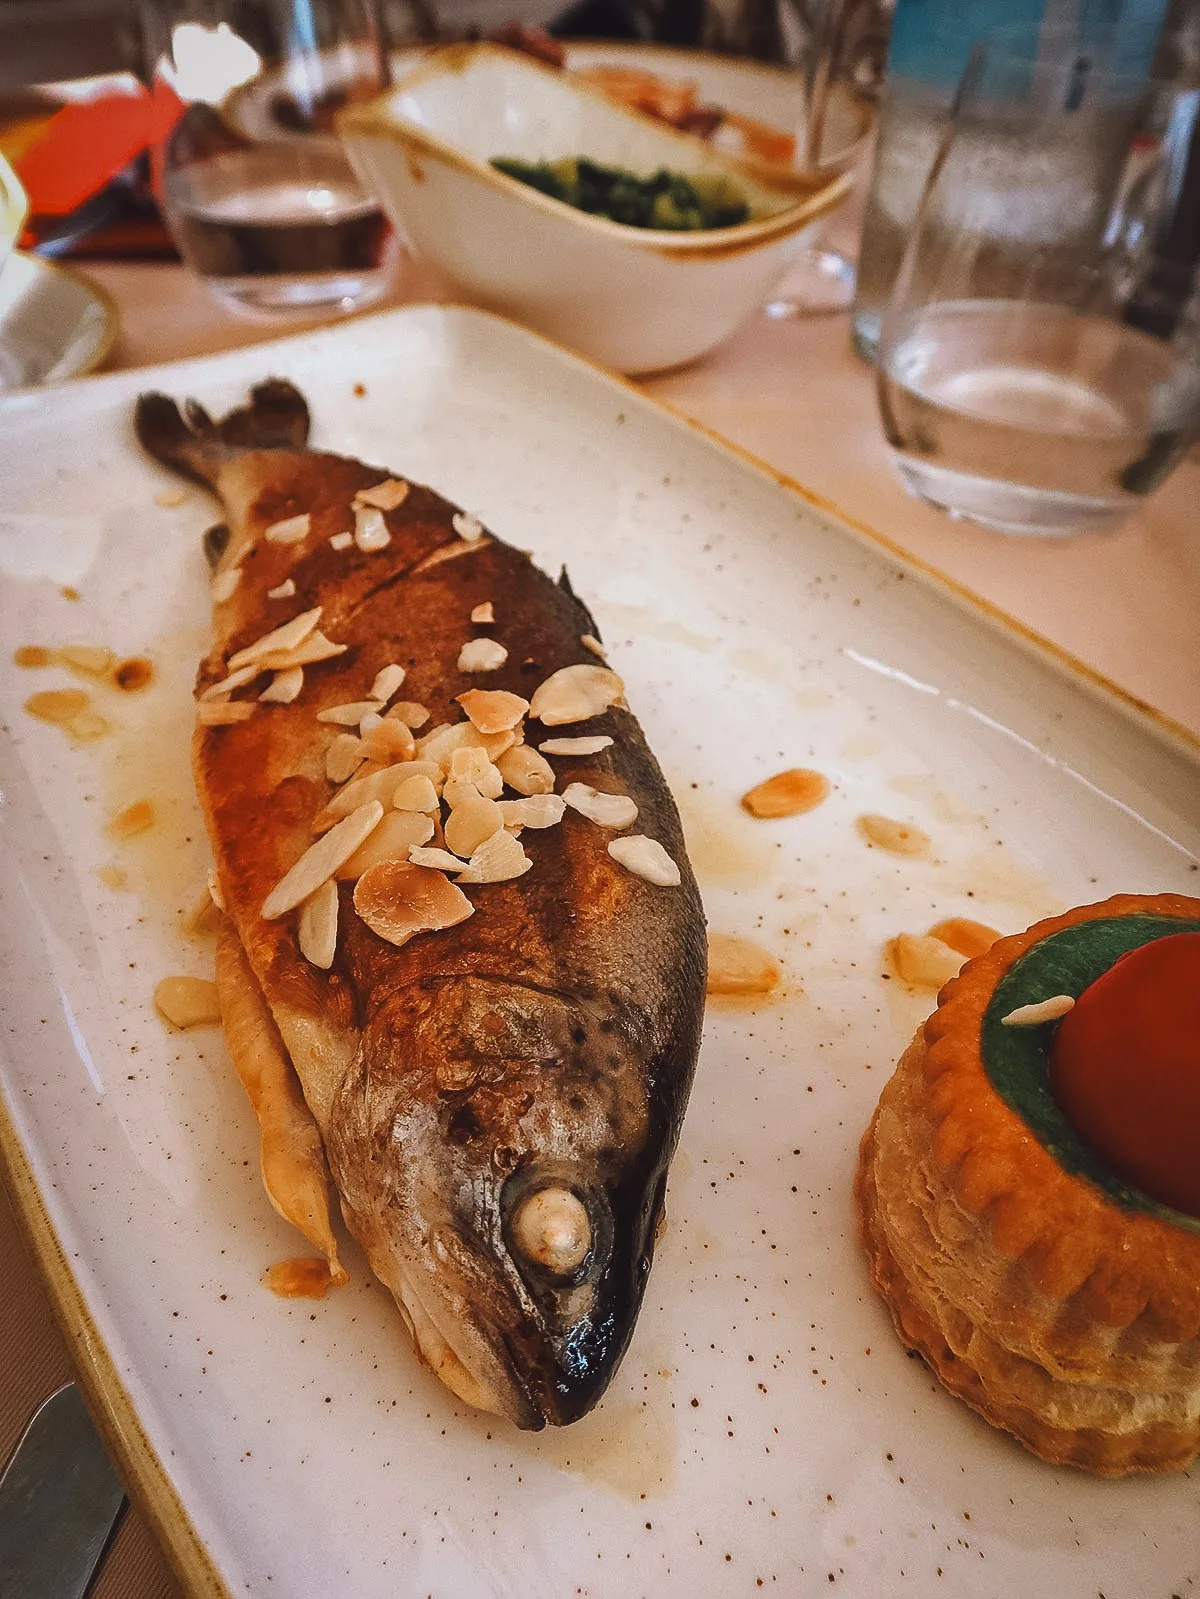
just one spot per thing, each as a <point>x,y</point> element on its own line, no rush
<point>898,838</point>
<point>740,966</point>
<point>291,530</point>
<point>481,655</point>
<point>484,615</point>
<point>370,530</point>
<point>575,746</point>
<point>789,793</point>
<point>385,496</point>
<point>591,642</point>
<point>924,962</point>
<point>282,591</point>
<point>169,499</point>
<point>410,713</point>
<point>467,527</point>
<point>645,857</point>
<point>187,1001</point>
<point>342,541</point>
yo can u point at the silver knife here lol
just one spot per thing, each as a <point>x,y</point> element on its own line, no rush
<point>59,1500</point>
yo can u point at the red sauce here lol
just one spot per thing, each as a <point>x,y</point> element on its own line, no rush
<point>1125,1069</point>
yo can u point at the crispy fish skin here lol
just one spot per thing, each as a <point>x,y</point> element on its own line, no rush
<point>543,1047</point>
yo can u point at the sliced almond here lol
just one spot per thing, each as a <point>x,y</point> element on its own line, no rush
<point>574,694</point>
<point>470,823</point>
<point>387,740</point>
<point>321,860</point>
<point>898,838</point>
<point>481,655</point>
<point>169,499</point>
<point>215,892</point>
<point>645,857</point>
<point>348,715</point>
<point>187,1001</point>
<point>370,529</point>
<point>575,746</point>
<point>344,757</point>
<point>399,832</point>
<point>539,810</point>
<point>59,705</point>
<point>416,794</point>
<point>379,785</point>
<point>493,710</point>
<point>87,726</point>
<point>924,962</point>
<point>410,713</point>
<point>524,770</point>
<point>484,615</point>
<point>318,926</point>
<point>967,937</point>
<point>398,900</point>
<point>607,810</point>
<point>385,496</point>
<point>341,541</point>
<point>221,690</point>
<point>203,919</point>
<point>789,793</point>
<point>291,530</point>
<point>473,766</point>
<point>1044,1010</point>
<point>466,526</point>
<point>440,859</point>
<point>283,591</point>
<point>315,648</point>
<point>280,639</point>
<point>387,680</point>
<point>447,552</point>
<point>591,642</point>
<point>284,687</point>
<point>224,713</point>
<point>225,583</point>
<point>740,966</point>
<point>497,859</point>
<point>370,721</point>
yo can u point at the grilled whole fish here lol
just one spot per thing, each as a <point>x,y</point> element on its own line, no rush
<point>497,1097</point>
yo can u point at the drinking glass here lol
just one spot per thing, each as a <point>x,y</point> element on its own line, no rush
<point>252,180</point>
<point>842,48</point>
<point>1039,366</point>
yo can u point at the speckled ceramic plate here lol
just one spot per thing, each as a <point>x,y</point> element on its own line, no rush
<point>765,1428</point>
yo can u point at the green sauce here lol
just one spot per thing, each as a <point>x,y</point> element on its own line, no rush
<point>1017,1059</point>
<point>665,200</point>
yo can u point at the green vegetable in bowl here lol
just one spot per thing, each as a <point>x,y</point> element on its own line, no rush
<point>666,199</point>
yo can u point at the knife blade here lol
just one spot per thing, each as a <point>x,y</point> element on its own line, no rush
<point>59,1500</point>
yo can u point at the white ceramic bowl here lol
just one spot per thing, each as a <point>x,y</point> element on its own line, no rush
<point>633,298</point>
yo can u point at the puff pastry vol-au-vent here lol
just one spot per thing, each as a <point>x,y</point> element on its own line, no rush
<point>1029,1186</point>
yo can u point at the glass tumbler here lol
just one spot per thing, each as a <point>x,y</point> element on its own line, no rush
<point>255,188</point>
<point>1039,366</point>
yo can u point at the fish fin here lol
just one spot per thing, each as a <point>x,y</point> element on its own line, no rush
<point>291,1151</point>
<point>190,442</point>
<point>564,583</point>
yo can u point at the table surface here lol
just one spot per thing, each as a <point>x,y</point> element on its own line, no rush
<point>791,393</point>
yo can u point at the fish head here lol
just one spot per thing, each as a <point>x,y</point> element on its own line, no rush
<point>519,1141</point>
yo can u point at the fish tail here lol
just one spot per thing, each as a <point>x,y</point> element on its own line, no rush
<point>190,442</point>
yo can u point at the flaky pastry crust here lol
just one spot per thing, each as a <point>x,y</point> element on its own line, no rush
<point>1058,1315</point>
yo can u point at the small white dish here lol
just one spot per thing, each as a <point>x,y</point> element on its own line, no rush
<point>637,299</point>
<point>54,324</point>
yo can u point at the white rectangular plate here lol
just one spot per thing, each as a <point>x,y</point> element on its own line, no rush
<point>766,1427</point>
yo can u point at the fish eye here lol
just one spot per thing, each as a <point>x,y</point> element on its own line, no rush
<point>551,1228</point>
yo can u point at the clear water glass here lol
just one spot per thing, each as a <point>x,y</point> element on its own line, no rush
<point>252,180</point>
<point>1039,365</point>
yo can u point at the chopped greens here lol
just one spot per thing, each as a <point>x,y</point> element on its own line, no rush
<point>666,200</point>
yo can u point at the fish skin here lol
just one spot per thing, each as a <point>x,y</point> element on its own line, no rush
<point>548,1039</point>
